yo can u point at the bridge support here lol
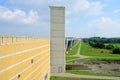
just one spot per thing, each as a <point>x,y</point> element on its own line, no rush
<point>57,44</point>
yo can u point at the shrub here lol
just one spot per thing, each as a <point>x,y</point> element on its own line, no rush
<point>96,44</point>
<point>109,46</point>
<point>116,50</point>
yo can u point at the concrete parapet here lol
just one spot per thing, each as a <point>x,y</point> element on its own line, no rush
<point>7,40</point>
<point>24,60</point>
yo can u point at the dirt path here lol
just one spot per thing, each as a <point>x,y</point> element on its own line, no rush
<point>84,76</point>
<point>78,53</point>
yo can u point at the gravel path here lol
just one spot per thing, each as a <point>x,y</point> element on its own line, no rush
<point>78,53</point>
<point>84,76</point>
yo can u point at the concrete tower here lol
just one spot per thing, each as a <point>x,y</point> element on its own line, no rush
<point>57,44</point>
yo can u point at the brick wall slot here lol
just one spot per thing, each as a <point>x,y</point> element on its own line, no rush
<point>16,39</point>
<point>19,75</point>
<point>32,61</point>
<point>12,40</point>
<point>8,39</point>
<point>2,40</point>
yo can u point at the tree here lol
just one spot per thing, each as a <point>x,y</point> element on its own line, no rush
<point>96,44</point>
<point>116,50</point>
<point>109,46</point>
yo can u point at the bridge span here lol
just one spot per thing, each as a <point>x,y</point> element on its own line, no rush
<point>70,42</point>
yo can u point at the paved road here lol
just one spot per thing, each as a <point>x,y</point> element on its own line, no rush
<point>84,76</point>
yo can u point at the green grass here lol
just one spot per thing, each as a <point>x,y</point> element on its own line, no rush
<point>114,44</point>
<point>74,49</point>
<point>95,52</point>
<point>70,78</point>
<point>71,58</point>
<point>103,58</point>
<point>81,72</point>
<point>118,45</point>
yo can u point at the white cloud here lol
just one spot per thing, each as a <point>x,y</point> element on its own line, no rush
<point>107,0</point>
<point>81,5</point>
<point>89,8</point>
<point>20,22</point>
<point>74,6</point>
<point>30,4</point>
<point>25,3</point>
<point>105,26</point>
<point>18,16</point>
<point>117,11</point>
<point>24,12</point>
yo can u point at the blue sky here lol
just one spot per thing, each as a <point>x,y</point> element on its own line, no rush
<point>84,18</point>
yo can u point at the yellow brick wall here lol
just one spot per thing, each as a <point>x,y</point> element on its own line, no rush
<point>26,59</point>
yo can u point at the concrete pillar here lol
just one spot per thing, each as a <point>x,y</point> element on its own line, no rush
<point>22,39</point>
<point>16,39</point>
<point>12,39</point>
<point>8,39</point>
<point>57,39</point>
<point>2,40</point>
<point>66,45</point>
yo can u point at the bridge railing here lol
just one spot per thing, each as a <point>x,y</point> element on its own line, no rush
<point>6,40</point>
<point>70,42</point>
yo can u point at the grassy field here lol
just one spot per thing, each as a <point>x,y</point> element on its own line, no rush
<point>81,72</point>
<point>71,58</point>
<point>71,54</point>
<point>70,78</point>
<point>118,45</point>
<point>95,52</point>
<point>74,49</point>
<point>103,58</point>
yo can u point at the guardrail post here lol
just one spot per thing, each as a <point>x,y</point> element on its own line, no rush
<point>2,40</point>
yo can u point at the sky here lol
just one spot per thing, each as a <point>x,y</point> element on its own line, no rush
<point>84,18</point>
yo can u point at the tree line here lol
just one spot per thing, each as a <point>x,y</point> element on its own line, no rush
<point>104,43</point>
